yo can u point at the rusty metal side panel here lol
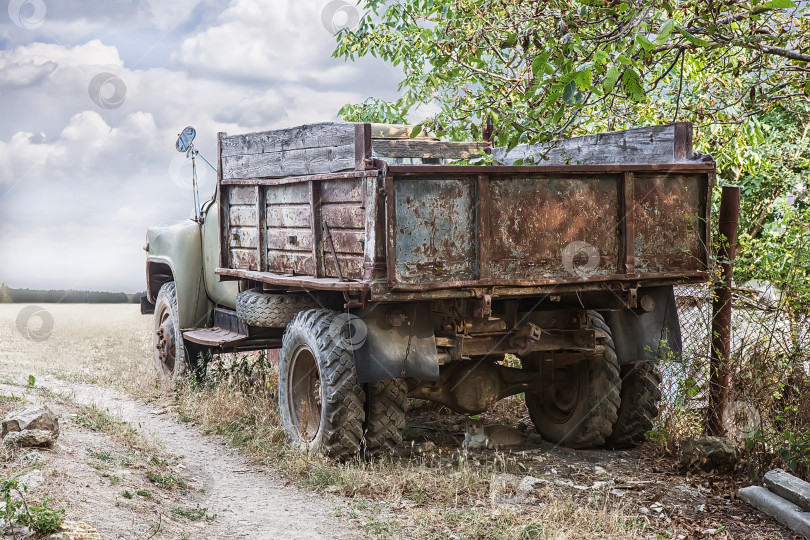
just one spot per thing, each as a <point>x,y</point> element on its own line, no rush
<point>289,229</point>
<point>668,214</point>
<point>558,227</point>
<point>343,211</point>
<point>434,230</point>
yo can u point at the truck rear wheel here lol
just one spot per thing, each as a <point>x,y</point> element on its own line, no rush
<point>258,308</point>
<point>385,416</point>
<point>174,357</point>
<point>639,404</point>
<point>577,406</point>
<point>320,400</point>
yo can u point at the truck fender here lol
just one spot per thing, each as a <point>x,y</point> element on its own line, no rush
<point>385,352</point>
<point>174,253</point>
<point>652,335</point>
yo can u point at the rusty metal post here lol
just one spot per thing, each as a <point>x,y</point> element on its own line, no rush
<point>720,371</point>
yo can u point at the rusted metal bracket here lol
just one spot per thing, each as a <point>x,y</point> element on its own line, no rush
<point>525,337</point>
<point>484,308</point>
<point>631,298</point>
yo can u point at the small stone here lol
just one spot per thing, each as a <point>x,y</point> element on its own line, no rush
<point>617,492</point>
<point>643,510</point>
<point>528,484</point>
<point>709,453</point>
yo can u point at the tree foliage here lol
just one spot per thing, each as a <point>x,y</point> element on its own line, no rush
<point>545,70</point>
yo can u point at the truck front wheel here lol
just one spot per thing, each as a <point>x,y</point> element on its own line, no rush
<point>320,400</point>
<point>173,356</point>
<point>578,405</point>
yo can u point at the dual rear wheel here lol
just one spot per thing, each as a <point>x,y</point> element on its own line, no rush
<point>596,402</point>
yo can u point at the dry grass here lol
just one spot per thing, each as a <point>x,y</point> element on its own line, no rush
<point>106,344</point>
<point>432,496</point>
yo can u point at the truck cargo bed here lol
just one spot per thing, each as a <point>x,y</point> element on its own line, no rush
<point>325,209</point>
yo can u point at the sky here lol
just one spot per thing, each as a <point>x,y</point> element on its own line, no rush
<point>92,97</point>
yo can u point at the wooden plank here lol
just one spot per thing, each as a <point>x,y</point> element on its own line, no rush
<point>245,259</point>
<point>416,148</point>
<point>347,241</point>
<point>244,237</point>
<point>342,191</point>
<point>297,193</point>
<point>290,262</point>
<point>243,216</point>
<point>350,266</point>
<point>325,134</point>
<point>341,216</point>
<point>298,179</point>
<point>306,161</point>
<point>289,216</point>
<point>290,239</point>
<point>242,195</point>
<point>648,145</point>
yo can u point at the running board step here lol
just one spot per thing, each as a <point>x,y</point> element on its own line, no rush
<point>229,331</point>
<point>214,336</point>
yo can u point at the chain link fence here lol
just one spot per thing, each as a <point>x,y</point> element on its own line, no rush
<point>769,352</point>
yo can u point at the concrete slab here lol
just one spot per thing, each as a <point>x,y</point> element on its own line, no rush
<point>782,510</point>
<point>788,487</point>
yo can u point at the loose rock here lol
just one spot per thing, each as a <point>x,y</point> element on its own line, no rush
<point>33,426</point>
<point>709,453</point>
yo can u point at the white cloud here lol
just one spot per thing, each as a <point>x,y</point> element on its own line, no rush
<point>79,184</point>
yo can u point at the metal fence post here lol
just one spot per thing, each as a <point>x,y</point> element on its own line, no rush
<point>720,373</point>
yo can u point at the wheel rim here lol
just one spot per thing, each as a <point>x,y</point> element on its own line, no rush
<point>562,395</point>
<point>165,344</point>
<point>304,393</point>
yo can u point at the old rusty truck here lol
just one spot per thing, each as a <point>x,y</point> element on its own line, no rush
<point>384,267</point>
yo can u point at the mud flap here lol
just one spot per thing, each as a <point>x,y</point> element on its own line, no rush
<point>648,335</point>
<point>404,351</point>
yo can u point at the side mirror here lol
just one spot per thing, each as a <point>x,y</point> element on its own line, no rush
<point>185,139</point>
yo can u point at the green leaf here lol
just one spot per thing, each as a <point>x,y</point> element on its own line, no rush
<point>570,93</point>
<point>611,77</point>
<point>510,41</point>
<point>692,39</point>
<point>632,85</point>
<point>417,129</point>
<point>584,79</point>
<point>644,42</point>
<point>539,65</point>
<point>664,32</point>
<point>600,57</point>
<point>624,60</point>
<point>32,381</point>
<point>779,4</point>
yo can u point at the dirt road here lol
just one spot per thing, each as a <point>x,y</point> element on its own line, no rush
<point>248,502</point>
